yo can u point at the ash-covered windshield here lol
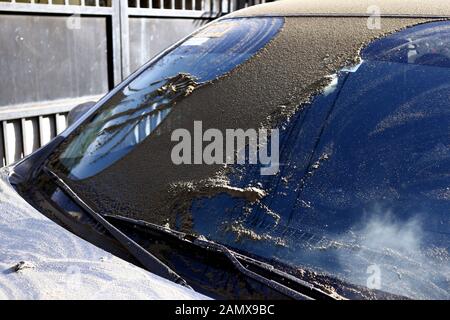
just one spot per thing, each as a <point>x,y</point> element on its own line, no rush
<point>362,192</point>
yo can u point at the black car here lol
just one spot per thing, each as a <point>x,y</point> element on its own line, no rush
<point>356,101</point>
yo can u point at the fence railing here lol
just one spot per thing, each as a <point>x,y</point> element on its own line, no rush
<point>27,125</point>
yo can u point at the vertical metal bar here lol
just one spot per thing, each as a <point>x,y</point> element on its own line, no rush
<point>13,141</point>
<point>46,128</point>
<point>2,146</point>
<point>207,6</point>
<point>116,42</point>
<point>41,131</point>
<point>59,127</point>
<point>24,137</point>
<point>19,151</point>
<point>6,144</point>
<point>125,38</point>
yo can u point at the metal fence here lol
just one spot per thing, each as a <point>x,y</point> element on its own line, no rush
<point>97,43</point>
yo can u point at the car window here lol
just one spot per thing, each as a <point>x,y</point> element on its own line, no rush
<point>136,111</point>
<point>364,188</point>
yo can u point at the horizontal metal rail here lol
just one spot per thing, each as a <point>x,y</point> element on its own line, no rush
<point>42,108</point>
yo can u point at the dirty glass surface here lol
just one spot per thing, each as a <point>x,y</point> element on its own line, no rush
<point>364,188</point>
<point>136,111</point>
<point>363,192</point>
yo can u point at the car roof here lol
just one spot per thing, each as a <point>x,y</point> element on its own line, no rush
<point>414,8</point>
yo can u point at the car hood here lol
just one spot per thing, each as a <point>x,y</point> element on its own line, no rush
<point>41,260</point>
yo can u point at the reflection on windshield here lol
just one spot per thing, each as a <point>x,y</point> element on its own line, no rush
<point>115,132</point>
<point>133,114</point>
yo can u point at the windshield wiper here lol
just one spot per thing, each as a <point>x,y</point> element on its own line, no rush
<point>280,281</point>
<point>149,261</point>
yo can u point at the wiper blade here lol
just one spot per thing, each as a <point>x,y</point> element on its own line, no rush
<point>297,289</point>
<point>149,261</point>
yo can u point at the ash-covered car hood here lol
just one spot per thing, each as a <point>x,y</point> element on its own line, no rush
<point>41,260</point>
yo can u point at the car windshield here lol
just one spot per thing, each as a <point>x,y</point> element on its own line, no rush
<point>363,192</point>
